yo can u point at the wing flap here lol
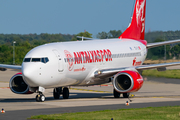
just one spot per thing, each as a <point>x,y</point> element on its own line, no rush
<point>105,73</point>
<point>153,66</point>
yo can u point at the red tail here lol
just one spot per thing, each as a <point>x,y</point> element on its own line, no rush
<point>136,29</point>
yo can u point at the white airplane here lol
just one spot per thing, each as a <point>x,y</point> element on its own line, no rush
<point>86,63</point>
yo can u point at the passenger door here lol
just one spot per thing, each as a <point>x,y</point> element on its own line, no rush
<point>60,61</point>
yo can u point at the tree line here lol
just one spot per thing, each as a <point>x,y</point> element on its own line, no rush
<point>25,43</point>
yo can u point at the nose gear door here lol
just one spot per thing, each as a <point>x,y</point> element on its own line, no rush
<point>60,62</point>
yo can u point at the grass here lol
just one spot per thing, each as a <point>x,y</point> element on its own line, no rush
<point>150,113</point>
<point>167,74</point>
<point>159,61</point>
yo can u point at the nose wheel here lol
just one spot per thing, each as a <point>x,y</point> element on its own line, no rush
<point>40,97</point>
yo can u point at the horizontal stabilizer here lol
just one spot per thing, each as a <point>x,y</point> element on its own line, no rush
<point>151,45</point>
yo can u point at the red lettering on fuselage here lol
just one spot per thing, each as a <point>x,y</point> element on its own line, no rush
<point>75,59</point>
<point>92,56</point>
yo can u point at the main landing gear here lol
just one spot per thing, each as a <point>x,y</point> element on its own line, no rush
<point>117,94</point>
<point>58,91</point>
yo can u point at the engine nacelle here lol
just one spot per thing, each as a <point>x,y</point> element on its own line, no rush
<point>18,86</point>
<point>127,81</point>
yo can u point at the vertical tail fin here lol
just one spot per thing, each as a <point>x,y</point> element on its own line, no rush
<point>136,29</point>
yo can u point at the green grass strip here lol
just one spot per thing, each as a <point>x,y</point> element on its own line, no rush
<point>167,74</point>
<point>150,113</point>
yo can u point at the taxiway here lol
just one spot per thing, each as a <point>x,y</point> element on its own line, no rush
<point>155,92</point>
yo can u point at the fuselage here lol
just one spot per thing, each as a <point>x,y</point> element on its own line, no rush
<point>74,63</point>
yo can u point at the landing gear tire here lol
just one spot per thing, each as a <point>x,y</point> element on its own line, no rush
<point>116,94</point>
<point>126,95</point>
<point>40,98</point>
<point>65,93</point>
<point>57,92</point>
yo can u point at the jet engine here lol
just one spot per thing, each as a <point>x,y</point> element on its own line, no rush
<point>127,81</point>
<point>18,86</point>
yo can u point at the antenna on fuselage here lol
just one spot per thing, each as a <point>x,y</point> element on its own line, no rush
<point>86,38</point>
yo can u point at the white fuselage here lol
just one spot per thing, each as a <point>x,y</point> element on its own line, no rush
<point>74,63</point>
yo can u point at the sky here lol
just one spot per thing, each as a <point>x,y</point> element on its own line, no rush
<point>74,16</point>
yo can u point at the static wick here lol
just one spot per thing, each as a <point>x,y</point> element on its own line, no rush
<point>2,111</point>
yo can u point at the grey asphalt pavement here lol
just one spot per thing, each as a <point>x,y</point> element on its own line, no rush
<point>155,92</point>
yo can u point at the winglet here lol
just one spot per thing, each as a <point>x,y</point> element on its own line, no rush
<point>136,28</point>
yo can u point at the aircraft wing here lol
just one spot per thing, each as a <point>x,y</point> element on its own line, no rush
<point>104,73</point>
<point>3,67</point>
<point>151,45</point>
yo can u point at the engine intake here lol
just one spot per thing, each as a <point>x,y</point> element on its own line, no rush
<point>127,81</point>
<point>18,86</point>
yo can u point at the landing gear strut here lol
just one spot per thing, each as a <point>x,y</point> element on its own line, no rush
<point>40,97</point>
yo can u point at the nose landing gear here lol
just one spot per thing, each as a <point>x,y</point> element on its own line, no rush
<point>56,93</point>
<point>40,97</point>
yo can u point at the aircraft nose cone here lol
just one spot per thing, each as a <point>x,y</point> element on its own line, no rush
<point>29,75</point>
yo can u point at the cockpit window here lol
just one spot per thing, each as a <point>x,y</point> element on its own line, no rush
<point>27,59</point>
<point>36,59</point>
<point>43,60</point>
<point>46,59</point>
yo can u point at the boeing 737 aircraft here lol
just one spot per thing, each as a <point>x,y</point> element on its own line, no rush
<point>86,63</point>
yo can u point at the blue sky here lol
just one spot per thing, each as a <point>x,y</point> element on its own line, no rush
<point>74,16</point>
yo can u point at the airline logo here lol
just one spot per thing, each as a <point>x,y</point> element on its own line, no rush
<point>140,14</point>
<point>135,63</point>
<point>91,56</point>
<point>68,56</point>
<point>80,69</point>
<point>140,81</point>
